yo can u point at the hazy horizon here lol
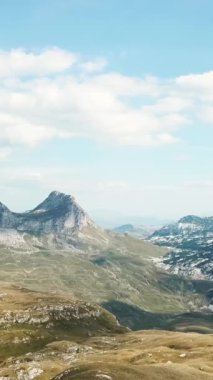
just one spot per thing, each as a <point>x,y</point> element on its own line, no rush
<point>109,218</point>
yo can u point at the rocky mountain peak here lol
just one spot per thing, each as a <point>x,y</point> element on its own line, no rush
<point>55,200</point>
<point>59,213</point>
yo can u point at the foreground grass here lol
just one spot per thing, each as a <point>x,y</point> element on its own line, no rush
<point>149,355</point>
<point>146,355</point>
<point>46,336</point>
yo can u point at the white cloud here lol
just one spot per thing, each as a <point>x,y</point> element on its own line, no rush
<point>122,85</point>
<point>112,186</point>
<point>4,153</point>
<point>94,66</point>
<point>23,63</point>
<point>196,82</point>
<point>41,98</point>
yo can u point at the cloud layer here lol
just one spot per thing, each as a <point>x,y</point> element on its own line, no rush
<point>54,94</point>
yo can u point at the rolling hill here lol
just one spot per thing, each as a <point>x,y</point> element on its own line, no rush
<point>44,336</point>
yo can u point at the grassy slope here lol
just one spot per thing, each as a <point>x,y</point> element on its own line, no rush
<point>150,355</point>
<point>93,348</point>
<point>100,277</point>
<point>28,329</point>
<point>143,355</point>
<point>108,269</point>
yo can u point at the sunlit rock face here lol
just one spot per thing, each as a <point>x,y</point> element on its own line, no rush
<point>58,213</point>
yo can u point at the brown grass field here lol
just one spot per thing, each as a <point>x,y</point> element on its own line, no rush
<point>91,346</point>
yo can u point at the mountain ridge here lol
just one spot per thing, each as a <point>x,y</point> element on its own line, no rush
<point>94,264</point>
<point>139,231</point>
<point>190,241</point>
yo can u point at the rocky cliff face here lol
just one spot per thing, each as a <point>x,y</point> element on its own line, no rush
<point>58,213</point>
<point>190,241</point>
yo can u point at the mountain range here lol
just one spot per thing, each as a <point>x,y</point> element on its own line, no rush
<point>58,247</point>
<point>72,295</point>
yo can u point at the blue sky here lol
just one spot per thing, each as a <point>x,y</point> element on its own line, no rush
<point>110,101</point>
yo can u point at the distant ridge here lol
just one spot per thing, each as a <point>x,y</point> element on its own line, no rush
<point>139,231</point>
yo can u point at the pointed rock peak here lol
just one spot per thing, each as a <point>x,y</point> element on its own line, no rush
<point>58,213</point>
<point>57,194</point>
<point>54,200</point>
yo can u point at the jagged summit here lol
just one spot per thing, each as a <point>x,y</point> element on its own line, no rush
<point>58,213</point>
<point>54,200</point>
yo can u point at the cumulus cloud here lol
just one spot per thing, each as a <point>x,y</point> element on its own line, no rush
<point>197,84</point>
<point>19,62</point>
<point>94,66</point>
<point>53,94</point>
